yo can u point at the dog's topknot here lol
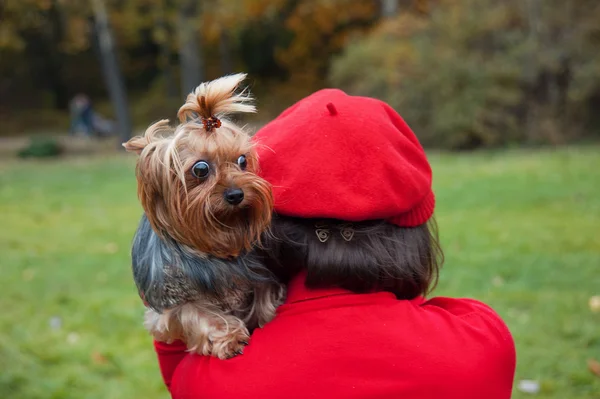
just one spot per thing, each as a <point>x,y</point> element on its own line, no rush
<point>217,99</point>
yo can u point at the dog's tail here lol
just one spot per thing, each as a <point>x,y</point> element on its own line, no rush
<point>217,99</point>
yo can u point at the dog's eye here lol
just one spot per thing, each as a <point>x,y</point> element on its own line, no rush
<point>200,169</point>
<point>242,162</point>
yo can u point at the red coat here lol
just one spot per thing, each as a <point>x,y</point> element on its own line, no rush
<point>336,344</point>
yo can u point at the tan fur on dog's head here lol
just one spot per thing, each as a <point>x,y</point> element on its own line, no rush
<point>203,212</point>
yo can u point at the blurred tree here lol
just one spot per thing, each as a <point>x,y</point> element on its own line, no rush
<point>563,41</point>
<point>162,36</point>
<point>220,22</point>
<point>320,29</point>
<point>389,8</point>
<point>465,73</point>
<point>52,35</point>
<point>261,35</point>
<point>37,29</point>
<point>476,73</point>
<point>225,52</point>
<point>294,39</point>
<point>112,72</point>
<point>190,57</point>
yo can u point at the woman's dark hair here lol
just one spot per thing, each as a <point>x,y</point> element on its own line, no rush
<point>379,257</point>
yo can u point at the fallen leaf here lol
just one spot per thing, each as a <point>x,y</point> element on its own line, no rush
<point>594,366</point>
<point>99,358</point>
<point>111,248</point>
<point>595,304</point>
<point>529,386</point>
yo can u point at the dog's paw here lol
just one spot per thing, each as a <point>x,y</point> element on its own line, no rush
<point>230,346</point>
<point>224,346</point>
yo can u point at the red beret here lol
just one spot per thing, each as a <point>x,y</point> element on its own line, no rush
<point>351,158</point>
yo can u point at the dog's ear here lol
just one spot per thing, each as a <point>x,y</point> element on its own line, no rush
<point>155,132</point>
<point>136,144</point>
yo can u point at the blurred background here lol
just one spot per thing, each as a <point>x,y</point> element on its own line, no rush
<point>504,94</point>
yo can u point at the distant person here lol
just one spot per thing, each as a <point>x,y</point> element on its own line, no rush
<point>355,233</point>
<point>84,120</point>
<point>102,126</point>
<point>81,116</point>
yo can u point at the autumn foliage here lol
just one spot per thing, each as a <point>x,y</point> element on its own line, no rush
<point>464,73</point>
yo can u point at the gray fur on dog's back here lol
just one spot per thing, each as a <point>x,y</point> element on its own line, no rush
<point>168,274</point>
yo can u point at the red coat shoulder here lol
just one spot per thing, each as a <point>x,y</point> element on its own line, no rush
<point>335,344</point>
<point>471,312</point>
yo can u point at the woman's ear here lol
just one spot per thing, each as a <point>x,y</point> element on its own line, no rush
<point>136,144</point>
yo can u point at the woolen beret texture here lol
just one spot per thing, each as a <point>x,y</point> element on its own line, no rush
<point>344,157</point>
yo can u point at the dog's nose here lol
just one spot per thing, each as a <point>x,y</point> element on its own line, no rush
<point>234,196</point>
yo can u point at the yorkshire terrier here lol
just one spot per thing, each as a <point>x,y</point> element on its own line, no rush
<point>194,254</point>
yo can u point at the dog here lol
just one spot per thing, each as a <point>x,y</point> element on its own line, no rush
<point>194,254</point>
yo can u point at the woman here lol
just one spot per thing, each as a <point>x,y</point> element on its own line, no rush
<point>354,230</point>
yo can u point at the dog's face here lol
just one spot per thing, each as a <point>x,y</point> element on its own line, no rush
<point>201,188</point>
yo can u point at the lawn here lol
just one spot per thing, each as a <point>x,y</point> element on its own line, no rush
<point>520,231</point>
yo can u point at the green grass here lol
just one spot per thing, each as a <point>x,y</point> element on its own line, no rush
<point>520,231</point>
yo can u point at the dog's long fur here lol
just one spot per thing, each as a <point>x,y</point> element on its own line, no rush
<point>193,253</point>
<point>208,302</point>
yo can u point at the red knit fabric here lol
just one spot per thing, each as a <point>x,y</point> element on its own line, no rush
<point>333,344</point>
<point>332,155</point>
